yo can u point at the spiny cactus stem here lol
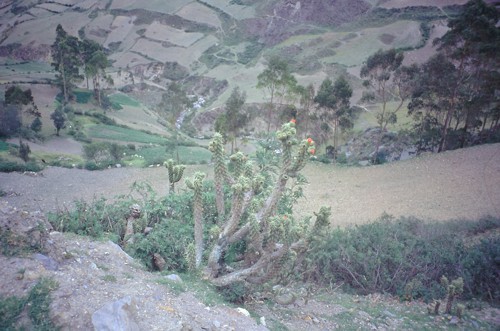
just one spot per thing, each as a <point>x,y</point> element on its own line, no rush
<point>196,184</point>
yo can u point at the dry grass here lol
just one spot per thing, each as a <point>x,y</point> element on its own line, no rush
<point>237,11</point>
<point>461,184</point>
<point>161,32</point>
<point>407,3</point>
<point>199,13</point>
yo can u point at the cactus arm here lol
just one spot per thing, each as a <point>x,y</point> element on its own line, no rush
<point>175,173</point>
<point>196,184</point>
<point>220,174</point>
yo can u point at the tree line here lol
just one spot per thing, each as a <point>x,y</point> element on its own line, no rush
<point>72,57</point>
<point>452,99</point>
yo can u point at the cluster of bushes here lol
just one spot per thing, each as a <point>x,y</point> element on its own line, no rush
<point>11,166</point>
<point>407,257</point>
<point>100,155</point>
<point>170,217</point>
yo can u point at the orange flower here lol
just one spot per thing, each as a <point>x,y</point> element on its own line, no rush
<point>312,151</point>
<point>293,120</point>
<point>310,141</point>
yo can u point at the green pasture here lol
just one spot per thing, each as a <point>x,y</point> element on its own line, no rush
<point>367,119</point>
<point>110,132</point>
<point>349,48</point>
<point>161,6</point>
<point>169,34</point>
<point>123,100</point>
<point>57,159</point>
<point>4,146</point>
<point>158,154</point>
<point>25,71</point>
<point>239,12</point>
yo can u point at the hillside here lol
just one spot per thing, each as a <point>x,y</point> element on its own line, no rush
<point>200,42</point>
<point>461,184</point>
<point>90,274</point>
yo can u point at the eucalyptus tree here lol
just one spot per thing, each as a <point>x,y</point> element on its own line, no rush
<point>306,100</point>
<point>95,68</point>
<point>387,80</point>
<point>334,100</point>
<point>66,61</point>
<point>472,46</point>
<point>173,103</point>
<point>278,82</point>
<point>235,119</point>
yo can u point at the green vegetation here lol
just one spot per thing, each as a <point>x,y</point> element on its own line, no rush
<point>110,132</point>
<point>36,304</point>
<point>157,155</point>
<point>382,16</point>
<point>407,257</point>
<point>123,100</point>
<point>82,96</point>
<point>7,165</point>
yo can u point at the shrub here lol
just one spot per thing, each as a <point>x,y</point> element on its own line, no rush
<point>36,125</point>
<point>169,238</point>
<point>11,166</point>
<point>407,257</point>
<point>24,151</point>
<point>37,305</point>
<point>103,153</point>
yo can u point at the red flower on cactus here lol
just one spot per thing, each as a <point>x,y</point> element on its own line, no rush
<point>293,120</point>
<point>310,141</point>
<point>312,151</point>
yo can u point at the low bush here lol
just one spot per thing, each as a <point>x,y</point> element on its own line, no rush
<point>11,166</point>
<point>407,257</point>
<point>36,304</point>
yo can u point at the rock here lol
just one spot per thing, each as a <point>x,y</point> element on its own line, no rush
<point>147,230</point>
<point>364,163</point>
<point>159,262</point>
<point>47,262</point>
<point>263,321</point>
<point>32,275</point>
<point>174,278</point>
<point>216,324</point>
<point>116,316</point>
<point>23,230</point>
<point>243,311</point>
<point>454,320</point>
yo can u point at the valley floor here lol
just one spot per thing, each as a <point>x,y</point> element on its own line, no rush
<point>461,184</point>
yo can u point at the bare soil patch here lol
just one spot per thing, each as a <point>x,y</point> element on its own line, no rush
<point>462,184</point>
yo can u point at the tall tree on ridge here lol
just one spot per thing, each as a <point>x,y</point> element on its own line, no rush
<point>472,44</point>
<point>277,80</point>
<point>387,80</point>
<point>334,99</point>
<point>66,57</point>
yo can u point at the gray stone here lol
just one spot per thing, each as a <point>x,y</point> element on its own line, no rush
<point>174,278</point>
<point>116,316</point>
<point>47,262</point>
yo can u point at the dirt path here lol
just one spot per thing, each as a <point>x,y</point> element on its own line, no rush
<point>456,184</point>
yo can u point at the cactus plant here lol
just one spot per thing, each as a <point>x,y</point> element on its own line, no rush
<point>196,184</point>
<point>453,289</point>
<point>175,172</point>
<point>254,214</point>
